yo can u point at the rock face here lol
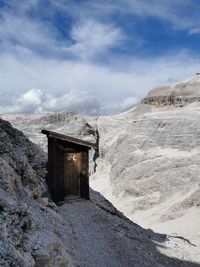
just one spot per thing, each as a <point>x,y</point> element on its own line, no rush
<point>151,169</point>
<point>23,164</point>
<point>179,95</point>
<point>150,163</point>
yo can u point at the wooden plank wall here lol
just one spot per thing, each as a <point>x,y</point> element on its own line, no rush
<point>55,170</point>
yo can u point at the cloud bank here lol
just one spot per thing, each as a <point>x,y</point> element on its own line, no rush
<point>35,101</point>
<point>86,87</point>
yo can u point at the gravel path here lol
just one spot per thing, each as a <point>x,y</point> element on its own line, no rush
<point>107,238</point>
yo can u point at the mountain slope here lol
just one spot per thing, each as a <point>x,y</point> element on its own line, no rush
<point>152,165</point>
<point>37,232</point>
<point>148,164</point>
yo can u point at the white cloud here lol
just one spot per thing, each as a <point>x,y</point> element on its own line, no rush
<point>181,14</point>
<point>167,11</point>
<point>177,13</point>
<point>30,102</point>
<point>93,38</point>
<point>86,39</point>
<point>36,101</point>
<point>84,87</point>
<point>32,97</point>
<point>128,103</point>
<point>20,32</point>
<point>194,31</point>
<point>120,106</point>
<point>67,73</point>
<point>81,102</point>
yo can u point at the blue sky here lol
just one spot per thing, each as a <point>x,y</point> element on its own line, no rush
<point>93,57</point>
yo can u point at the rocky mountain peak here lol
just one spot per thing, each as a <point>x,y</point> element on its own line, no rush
<point>178,95</point>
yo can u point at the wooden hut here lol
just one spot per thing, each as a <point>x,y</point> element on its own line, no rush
<point>68,166</point>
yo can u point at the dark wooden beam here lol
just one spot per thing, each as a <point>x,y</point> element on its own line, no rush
<point>69,139</point>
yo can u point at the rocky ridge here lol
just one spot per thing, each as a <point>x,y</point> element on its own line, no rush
<point>178,95</point>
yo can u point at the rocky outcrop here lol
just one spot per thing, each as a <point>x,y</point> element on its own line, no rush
<point>59,117</point>
<point>23,164</point>
<point>177,101</point>
<point>178,95</point>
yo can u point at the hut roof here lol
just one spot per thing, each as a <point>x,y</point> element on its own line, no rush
<point>69,139</point>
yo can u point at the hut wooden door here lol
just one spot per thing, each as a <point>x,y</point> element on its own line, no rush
<point>72,170</point>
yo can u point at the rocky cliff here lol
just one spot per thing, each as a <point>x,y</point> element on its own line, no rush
<point>178,95</point>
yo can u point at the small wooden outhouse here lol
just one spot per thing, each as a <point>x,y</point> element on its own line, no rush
<point>68,166</point>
